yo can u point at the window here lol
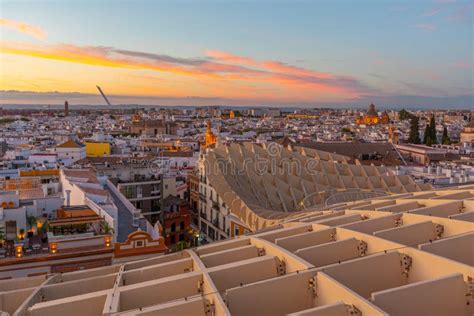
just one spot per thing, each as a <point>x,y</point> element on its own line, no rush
<point>181,225</point>
<point>172,239</point>
<point>211,233</point>
<point>173,227</point>
<point>130,192</point>
<point>139,243</point>
<point>204,228</point>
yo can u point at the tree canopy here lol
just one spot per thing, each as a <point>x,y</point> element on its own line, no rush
<point>404,115</point>
<point>414,136</point>
<point>430,137</point>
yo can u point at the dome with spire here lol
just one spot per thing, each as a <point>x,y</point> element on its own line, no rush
<point>372,111</point>
<point>372,117</point>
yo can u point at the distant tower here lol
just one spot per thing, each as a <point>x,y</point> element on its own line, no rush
<point>211,139</point>
<point>393,136</point>
<point>66,108</point>
<point>136,117</point>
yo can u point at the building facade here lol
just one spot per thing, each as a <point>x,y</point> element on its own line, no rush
<point>97,149</point>
<point>70,152</point>
<point>176,220</point>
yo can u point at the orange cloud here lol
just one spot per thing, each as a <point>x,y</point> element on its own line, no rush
<point>23,27</point>
<point>280,67</point>
<point>282,74</point>
<point>231,58</point>
<point>230,71</point>
<point>94,56</point>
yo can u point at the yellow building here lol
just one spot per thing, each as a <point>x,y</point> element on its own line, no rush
<point>97,149</point>
<point>372,118</point>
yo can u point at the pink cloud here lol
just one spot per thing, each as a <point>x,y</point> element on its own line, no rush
<point>462,13</point>
<point>464,64</point>
<point>279,67</point>
<point>231,58</point>
<point>23,28</point>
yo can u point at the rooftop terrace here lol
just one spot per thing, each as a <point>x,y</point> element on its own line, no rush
<point>405,254</point>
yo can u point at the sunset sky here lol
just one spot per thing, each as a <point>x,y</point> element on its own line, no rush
<point>254,52</point>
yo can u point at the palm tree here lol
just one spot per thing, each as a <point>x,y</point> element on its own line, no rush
<point>30,221</point>
<point>106,229</point>
<point>45,227</point>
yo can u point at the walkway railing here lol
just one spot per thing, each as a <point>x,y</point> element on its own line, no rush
<point>128,205</point>
<point>113,223</point>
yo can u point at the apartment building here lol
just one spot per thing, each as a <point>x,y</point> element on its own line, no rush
<point>175,220</point>
<point>70,152</point>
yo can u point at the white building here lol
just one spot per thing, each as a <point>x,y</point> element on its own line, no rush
<point>467,137</point>
<point>70,152</point>
<point>42,158</point>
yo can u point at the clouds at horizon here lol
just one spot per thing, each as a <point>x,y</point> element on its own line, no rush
<point>10,97</point>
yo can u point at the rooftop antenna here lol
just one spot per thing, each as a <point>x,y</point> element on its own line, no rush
<point>103,95</point>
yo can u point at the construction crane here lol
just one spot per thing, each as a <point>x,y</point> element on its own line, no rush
<point>103,95</point>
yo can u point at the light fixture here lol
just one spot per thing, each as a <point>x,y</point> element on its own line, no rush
<point>53,247</point>
<point>18,251</point>
<point>107,240</point>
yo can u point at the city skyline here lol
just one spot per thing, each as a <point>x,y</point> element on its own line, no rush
<point>241,53</point>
